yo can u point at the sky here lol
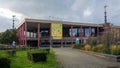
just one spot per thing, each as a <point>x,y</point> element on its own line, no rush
<point>83,11</point>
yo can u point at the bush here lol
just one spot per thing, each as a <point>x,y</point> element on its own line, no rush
<point>11,52</point>
<point>29,56</point>
<point>94,48</point>
<point>87,47</point>
<point>43,50</point>
<point>37,55</point>
<point>93,42</point>
<point>106,49</point>
<point>98,48</point>
<point>4,63</point>
<point>3,53</point>
<point>78,46</point>
<point>82,48</point>
<point>4,59</point>
<point>23,47</point>
<point>115,49</point>
<point>48,50</point>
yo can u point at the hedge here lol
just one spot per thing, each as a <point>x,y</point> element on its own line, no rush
<point>78,46</point>
<point>37,55</point>
<point>4,59</point>
<point>4,62</point>
<point>11,52</point>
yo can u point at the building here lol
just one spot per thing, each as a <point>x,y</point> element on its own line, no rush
<point>41,33</point>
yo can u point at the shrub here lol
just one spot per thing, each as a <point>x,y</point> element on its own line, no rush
<point>106,50</point>
<point>37,55</point>
<point>4,63</point>
<point>107,43</point>
<point>82,48</point>
<point>3,53</point>
<point>87,47</point>
<point>118,49</point>
<point>11,52</point>
<point>93,42</point>
<point>43,49</point>
<point>29,56</point>
<point>78,46</point>
<point>23,47</point>
<point>100,48</point>
<point>115,49</point>
<point>94,48</point>
<point>75,46</point>
<point>4,59</point>
<point>48,50</point>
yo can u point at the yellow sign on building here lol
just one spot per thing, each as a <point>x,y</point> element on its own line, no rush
<point>56,30</point>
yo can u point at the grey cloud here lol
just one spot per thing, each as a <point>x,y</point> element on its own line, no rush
<point>62,9</point>
<point>37,7</point>
<point>5,24</point>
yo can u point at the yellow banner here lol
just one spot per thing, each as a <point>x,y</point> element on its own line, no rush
<point>56,30</point>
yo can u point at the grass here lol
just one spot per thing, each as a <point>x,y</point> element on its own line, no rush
<point>21,61</point>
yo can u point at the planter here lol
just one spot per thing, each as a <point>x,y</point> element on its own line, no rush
<point>103,56</point>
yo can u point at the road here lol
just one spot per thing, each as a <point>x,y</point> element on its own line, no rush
<point>73,58</point>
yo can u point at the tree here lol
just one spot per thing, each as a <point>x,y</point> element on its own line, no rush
<point>8,36</point>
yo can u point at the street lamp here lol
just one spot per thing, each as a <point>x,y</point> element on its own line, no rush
<point>105,13</point>
<point>13,21</point>
<point>13,43</point>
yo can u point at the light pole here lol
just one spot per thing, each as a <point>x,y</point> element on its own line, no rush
<point>105,13</point>
<point>13,43</point>
<point>13,21</point>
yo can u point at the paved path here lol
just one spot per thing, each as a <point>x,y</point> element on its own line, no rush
<point>73,58</point>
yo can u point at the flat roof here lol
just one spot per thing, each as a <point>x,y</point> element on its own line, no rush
<point>55,21</point>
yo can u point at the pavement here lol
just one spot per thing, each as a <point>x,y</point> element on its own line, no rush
<point>74,58</point>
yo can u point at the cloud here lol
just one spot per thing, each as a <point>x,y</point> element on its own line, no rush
<point>7,13</point>
<point>87,12</point>
<point>5,24</point>
<point>69,10</point>
<point>78,4</point>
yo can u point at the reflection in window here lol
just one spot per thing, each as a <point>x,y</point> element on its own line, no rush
<point>87,32</point>
<point>93,32</point>
<point>74,32</point>
<point>44,33</point>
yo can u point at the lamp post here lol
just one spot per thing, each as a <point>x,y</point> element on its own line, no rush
<point>13,21</point>
<point>105,13</point>
<point>13,42</point>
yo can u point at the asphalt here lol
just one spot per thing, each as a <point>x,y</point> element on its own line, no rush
<point>74,58</point>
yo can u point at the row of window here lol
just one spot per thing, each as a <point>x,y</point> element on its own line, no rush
<point>67,32</point>
<point>75,32</point>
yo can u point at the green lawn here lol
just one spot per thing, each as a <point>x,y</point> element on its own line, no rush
<point>21,61</point>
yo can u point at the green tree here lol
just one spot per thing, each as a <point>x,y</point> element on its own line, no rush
<point>8,36</point>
